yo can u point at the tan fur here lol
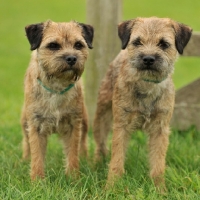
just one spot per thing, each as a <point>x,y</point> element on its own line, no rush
<point>46,112</point>
<point>134,102</point>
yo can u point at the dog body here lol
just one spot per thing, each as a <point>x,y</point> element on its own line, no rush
<point>138,91</point>
<point>53,92</point>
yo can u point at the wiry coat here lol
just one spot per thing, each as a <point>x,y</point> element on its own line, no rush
<point>46,109</point>
<point>138,91</point>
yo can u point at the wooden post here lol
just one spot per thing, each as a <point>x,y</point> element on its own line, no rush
<point>104,16</point>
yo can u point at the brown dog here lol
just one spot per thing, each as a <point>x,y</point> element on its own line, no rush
<point>53,91</point>
<point>138,91</point>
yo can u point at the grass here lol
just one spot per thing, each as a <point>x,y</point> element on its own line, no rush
<point>182,174</point>
<point>183,170</point>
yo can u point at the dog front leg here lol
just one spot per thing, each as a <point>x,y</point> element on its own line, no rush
<point>119,144</point>
<point>158,144</point>
<point>38,143</point>
<point>71,149</point>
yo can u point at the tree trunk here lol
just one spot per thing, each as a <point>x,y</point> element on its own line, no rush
<point>104,16</point>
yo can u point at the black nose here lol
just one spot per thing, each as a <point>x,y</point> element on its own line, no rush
<point>71,60</point>
<point>148,60</point>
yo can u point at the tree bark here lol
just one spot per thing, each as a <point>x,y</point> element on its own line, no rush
<point>104,16</point>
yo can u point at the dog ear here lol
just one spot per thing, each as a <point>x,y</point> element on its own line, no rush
<point>88,33</point>
<point>124,32</point>
<point>34,33</point>
<point>182,36</point>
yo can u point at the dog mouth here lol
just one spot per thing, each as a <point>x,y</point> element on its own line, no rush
<point>148,68</point>
<point>67,69</point>
<point>70,71</point>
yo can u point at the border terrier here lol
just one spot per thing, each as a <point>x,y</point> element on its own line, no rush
<point>138,92</point>
<point>53,92</point>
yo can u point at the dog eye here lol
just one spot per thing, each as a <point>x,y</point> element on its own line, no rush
<point>53,46</point>
<point>78,45</point>
<point>137,42</point>
<point>163,44</point>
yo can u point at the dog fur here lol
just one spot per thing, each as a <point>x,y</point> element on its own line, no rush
<point>138,92</point>
<point>59,53</point>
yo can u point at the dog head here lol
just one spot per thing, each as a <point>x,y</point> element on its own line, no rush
<point>62,48</point>
<point>153,45</point>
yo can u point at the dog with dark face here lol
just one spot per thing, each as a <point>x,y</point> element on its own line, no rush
<point>53,92</point>
<point>138,92</point>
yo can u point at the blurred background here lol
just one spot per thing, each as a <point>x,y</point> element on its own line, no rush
<point>15,49</point>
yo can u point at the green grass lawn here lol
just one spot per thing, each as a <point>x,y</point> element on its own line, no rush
<point>183,159</point>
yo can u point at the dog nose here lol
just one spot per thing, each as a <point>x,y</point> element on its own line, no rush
<point>71,60</point>
<point>148,60</point>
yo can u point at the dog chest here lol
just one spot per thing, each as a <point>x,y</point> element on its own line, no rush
<point>53,114</point>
